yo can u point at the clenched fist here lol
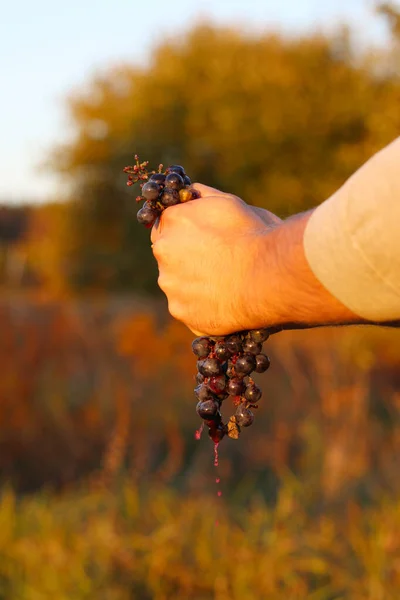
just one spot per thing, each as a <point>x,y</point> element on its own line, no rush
<point>212,260</point>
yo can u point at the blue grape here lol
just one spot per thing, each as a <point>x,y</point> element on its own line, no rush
<point>252,347</point>
<point>208,410</point>
<point>202,346</point>
<point>176,169</point>
<point>262,363</point>
<point>169,197</point>
<point>151,190</point>
<point>174,181</point>
<point>222,351</point>
<point>147,215</point>
<point>158,178</point>
<point>259,335</point>
<point>252,393</point>
<point>244,417</point>
<point>245,364</point>
<point>209,367</point>
<point>234,344</point>
<point>235,387</point>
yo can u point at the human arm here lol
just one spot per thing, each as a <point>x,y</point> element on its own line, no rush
<point>225,266</point>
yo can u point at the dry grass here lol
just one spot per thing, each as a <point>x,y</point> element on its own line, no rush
<point>96,405</point>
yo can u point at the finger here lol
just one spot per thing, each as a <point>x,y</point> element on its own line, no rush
<point>206,190</point>
<point>155,248</point>
<point>162,253</point>
<point>197,333</point>
<point>156,231</point>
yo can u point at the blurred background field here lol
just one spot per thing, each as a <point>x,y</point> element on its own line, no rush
<point>105,493</point>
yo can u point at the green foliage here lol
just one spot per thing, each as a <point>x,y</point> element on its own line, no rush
<point>282,122</point>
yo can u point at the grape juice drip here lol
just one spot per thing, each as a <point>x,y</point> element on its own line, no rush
<point>224,363</point>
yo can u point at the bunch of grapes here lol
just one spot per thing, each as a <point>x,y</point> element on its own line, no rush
<point>224,367</point>
<point>160,190</point>
<point>225,363</point>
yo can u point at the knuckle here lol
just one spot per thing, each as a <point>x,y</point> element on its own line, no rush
<point>162,282</point>
<point>175,309</point>
<point>158,248</point>
<point>175,220</point>
<point>155,232</point>
<point>170,217</point>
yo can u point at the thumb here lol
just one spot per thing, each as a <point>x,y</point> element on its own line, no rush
<point>206,190</point>
<point>198,333</point>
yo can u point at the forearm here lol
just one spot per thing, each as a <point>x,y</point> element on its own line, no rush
<point>292,295</point>
<point>340,263</point>
<point>225,266</point>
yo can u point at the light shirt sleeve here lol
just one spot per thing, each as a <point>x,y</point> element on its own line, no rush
<point>352,240</point>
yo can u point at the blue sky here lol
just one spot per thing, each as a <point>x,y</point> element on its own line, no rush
<point>49,47</point>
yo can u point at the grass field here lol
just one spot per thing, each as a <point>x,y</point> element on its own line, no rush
<point>107,495</point>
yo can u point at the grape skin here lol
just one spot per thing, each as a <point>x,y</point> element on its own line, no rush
<point>158,178</point>
<point>217,385</point>
<point>222,351</point>
<point>245,364</point>
<point>236,387</point>
<point>150,191</point>
<point>203,393</point>
<point>174,181</point>
<point>176,169</point>
<point>201,347</point>
<point>147,215</point>
<point>244,416</point>
<point>209,367</point>
<point>199,378</point>
<point>259,335</point>
<point>169,197</point>
<point>262,363</point>
<point>252,393</point>
<point>252,347</point>
<point>234,344</point>
<point>208,409</point>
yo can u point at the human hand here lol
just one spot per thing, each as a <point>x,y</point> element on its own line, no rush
<point>210,254</point>
<point>226,266</point>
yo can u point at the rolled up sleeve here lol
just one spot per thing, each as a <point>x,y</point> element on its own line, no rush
<point>352,240</point>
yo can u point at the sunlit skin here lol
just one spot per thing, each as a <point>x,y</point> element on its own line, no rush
<point>226,266</point>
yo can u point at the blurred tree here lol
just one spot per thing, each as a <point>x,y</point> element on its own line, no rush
<point>392,13</point>
<point>42,248</point>
<point>13,226</point>
<point>13,223</point>
<point>282,122</point>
